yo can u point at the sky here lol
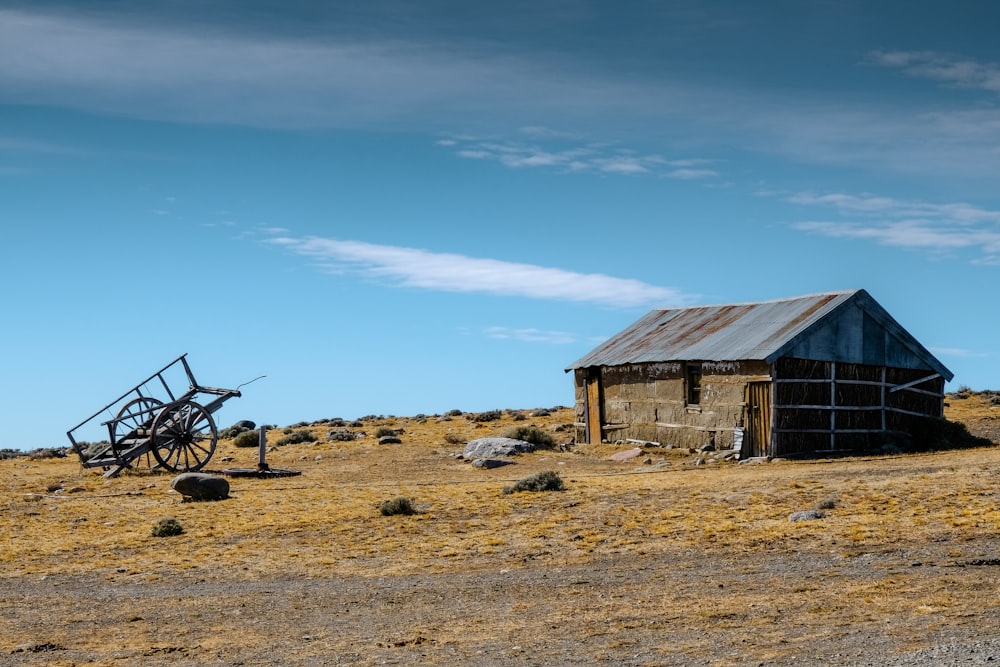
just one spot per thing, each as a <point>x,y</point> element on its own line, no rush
<point>397,208</point>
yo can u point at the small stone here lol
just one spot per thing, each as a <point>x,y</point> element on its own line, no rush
<point>489,464</point>
<point>806,515</point>
<point>626,455</point>
<point>389,440</point>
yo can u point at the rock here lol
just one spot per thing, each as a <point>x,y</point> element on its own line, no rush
<point>200,486</point>
<point>806,515</point>
<point>707,448</point>
<point>489,464</point>
<point>755,460</point>
<point>490,447</point>
<point>389,440</point>
<point>626,455</point>
<point>245,425</point>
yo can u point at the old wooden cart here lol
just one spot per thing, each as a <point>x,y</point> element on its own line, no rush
<point>155,425</point>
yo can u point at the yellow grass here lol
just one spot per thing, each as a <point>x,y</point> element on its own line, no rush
<point>894,511</point>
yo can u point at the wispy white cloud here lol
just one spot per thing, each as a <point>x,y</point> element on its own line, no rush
<point>593,157</point>
<point>958,352</point>
<point>530,335</point>
<point>933,228</point>
<point>178,72</point>
<point>448,272</point>
<point>959,213</point>
<point>190,73</point>
<point>947,68</point>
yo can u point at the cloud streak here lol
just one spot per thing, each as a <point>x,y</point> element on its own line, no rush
<point>933,228</point>
<point>530,335</point>
<point>180,72</point>
<point>594,157</point>
<point>946,68</point>
<point>447,272</point>
<point>191,73</point>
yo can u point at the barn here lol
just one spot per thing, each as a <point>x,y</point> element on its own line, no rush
<point>816,374</point>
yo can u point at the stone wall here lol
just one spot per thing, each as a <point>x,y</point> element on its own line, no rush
<point>648,402</point>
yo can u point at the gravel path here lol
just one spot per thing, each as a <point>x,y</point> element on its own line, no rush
<point>637,613</point>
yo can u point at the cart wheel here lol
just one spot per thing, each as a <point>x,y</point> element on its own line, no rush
<point>135,416</point>
<point>184,436</point>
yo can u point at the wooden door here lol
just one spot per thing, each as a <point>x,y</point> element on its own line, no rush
<point>759,418</point>
<point>594,406</point>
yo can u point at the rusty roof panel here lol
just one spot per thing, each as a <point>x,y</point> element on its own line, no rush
<point>749,331</point>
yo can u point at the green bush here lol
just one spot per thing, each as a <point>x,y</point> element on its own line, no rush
<point>247,439</point>
<point>167,528</point>
<point>532,434</point>
<point>295,438</point>
<point>398,505</point>
<point>546,480</point>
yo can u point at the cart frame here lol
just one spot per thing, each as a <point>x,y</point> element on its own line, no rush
<point>172,430</point>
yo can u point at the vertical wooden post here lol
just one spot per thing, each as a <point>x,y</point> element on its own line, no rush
<point>833,405</point>
<point>261,465</point>
<point>884,424</point>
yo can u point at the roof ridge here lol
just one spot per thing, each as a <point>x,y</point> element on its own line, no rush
<point>755,303</point>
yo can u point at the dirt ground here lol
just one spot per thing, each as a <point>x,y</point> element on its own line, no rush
<point>658,560</point>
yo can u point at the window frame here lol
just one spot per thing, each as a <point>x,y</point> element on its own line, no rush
<point>692,384</point>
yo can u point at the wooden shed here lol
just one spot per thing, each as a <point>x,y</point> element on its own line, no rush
<point>821,373</point>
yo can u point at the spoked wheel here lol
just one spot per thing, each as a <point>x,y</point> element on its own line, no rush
<point>184,437</point>
<point>132,424</point>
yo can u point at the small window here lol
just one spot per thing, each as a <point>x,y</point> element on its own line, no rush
<point>693,373</point>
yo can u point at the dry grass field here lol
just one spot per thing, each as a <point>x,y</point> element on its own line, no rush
<point>634,563</point>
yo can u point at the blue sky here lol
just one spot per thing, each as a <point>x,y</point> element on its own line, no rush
<point>416,207</point>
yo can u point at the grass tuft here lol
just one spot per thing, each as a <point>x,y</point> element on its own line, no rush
<point>167,528</point>
<point>247,439</point>
<point>295,438</point>
<point>547,480</point>
<point>532,434</point>
<point>398,505</point>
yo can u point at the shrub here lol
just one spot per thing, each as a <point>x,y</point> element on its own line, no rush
<point>517,415</point>
<point>453,439</point>
<point>532,434</point>
<point>398,505</point>
<point>91,449</point>
<point>827,503</point>
<point>383,431</point>
<point>247,439</point>
<point>295,438</point>
<point>167,528</point>
<point>47,453</point>
<point>488,416</point>
<point>546,480</point>
<point>237,428</point>
<point>540,412</point>
<point>453,413</point>
<point>341,435</point>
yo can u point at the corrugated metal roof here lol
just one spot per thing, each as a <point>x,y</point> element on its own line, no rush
<point>748,331</point>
